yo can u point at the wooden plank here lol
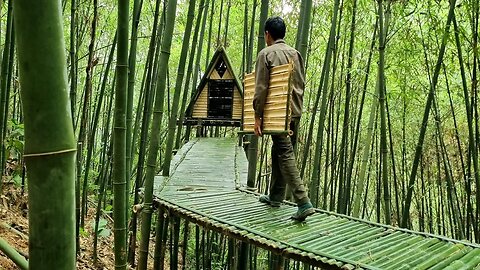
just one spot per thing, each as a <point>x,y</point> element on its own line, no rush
<point>249,84</point>
<point>227,75</point>
<point>276,104</point>
<point>214,75</point>
<point>280,77</point>
<point>279,113</point>
<point>200,109</point>
<point>237,104</point>
<point>278,124</point>
<point>281,90</point>
<point>276,99</point>
<point>249,76</point>
<point>282,68</point>
<point>274,127</point>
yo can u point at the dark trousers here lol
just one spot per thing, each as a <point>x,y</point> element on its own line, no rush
<point>284,168</point>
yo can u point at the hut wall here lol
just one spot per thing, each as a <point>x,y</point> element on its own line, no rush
<point>200,109</point>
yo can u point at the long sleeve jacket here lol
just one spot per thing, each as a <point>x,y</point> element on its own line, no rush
<point>279,53</point>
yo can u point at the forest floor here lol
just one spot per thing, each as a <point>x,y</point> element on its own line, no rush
<point>14,229</point>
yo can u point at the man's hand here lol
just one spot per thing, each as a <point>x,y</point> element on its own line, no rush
<point>258,126</point>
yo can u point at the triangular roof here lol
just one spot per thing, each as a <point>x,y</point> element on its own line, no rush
<point>219,53</point>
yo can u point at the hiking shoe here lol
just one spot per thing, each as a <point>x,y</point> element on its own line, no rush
<point>303,212</point>
<point>266,199</point>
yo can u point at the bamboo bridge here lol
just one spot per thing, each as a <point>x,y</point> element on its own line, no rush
<point>206,187</point>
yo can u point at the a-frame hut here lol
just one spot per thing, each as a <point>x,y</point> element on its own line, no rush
<point>218,98</point>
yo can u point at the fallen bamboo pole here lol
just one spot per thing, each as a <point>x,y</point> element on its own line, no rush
<point>13,254</point>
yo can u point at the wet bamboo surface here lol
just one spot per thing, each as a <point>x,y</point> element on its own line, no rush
<point>206,187</point>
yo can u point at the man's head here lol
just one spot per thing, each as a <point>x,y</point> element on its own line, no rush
<point>274,29</point>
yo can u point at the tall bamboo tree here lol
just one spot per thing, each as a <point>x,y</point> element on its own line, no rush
<point>178,88</point>
<point>360,180</point>
<point>73,56</point>
<point>423,128</point>
<point>383,128</point>
<point>210,32</point>
<point>263,17</point>
<point>3,85</point>
<point>245,40</point>
<point>300,24</point>
<point>250,39</point>
<point>147,104</point>
<point>346,118</point>
<point>227,20</point>
<point>119,139</point>
<point>96,116</point>
<point>132,59</point>
<point>322,91</point>
<point>471,138</point>
<point>196,66</point>
<point>253,145</point>
<point>155,133</point>
<point>73,98</point>
<point>82,133</point>
<point>49,137</point>
<point>105,160</point>
<point>304,27</point>
<point>92,137</point>
<point>220,19</point>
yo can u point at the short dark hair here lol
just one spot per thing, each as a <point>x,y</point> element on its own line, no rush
<point>276,27</point>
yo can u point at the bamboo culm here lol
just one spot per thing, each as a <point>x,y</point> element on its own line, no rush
<point>155,133</point>
<point>49,139</point>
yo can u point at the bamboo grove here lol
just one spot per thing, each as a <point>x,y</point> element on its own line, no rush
<point>389,132</point>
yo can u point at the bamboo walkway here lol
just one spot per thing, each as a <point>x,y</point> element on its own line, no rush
<point>206,187</point>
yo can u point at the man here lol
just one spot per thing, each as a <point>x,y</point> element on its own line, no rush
<point>284,170</point>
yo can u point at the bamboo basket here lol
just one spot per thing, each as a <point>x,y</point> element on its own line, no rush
<point>277,112</point>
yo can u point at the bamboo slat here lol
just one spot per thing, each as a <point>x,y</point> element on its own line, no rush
<point>282,68</point>
<point>276,111</point>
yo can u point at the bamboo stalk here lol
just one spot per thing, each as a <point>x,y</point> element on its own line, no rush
<point>322,88</point>
<point>11,253</point>
<point>148,101</point>
<point>155,133</point>
<point>178,89</point>
<point>119,139</point>
<point>3,87</point>
<point>82,133</point>
<point>49,139</point>
<point>418,150</point>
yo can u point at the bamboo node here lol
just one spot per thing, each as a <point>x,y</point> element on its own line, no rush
<point>50,153</point>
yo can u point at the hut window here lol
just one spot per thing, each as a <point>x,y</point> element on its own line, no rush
<point>220,98</point>
<point>221,67</point>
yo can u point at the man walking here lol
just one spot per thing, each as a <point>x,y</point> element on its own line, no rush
<point>284,169</point>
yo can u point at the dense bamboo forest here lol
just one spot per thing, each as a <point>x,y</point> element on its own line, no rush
<point>93,94</point>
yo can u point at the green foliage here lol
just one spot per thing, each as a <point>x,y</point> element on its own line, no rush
<point>15,140</point>
<point>14,145</point>
<point>83,232</point>
<point>103,230</point>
